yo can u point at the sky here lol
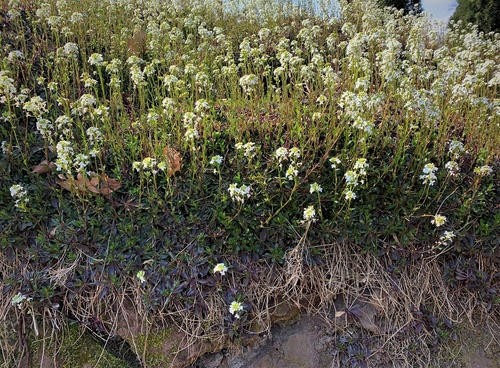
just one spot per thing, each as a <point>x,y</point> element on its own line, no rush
<point>440,9</point>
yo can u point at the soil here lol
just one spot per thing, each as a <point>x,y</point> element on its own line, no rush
<point>309,342</point>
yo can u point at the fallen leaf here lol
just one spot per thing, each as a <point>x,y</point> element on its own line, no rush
<point>366,315</point>
<point>97,184</point>
<point>43,167</point>
<point>173,159</point>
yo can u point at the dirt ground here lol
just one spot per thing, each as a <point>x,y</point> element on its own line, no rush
<point>309,342</point>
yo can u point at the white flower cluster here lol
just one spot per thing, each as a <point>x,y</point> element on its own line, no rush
<point>64,156</point>
<point>191,124</point>
<point>45,128</point>
<point>455,149</point>
<point>239,194</point>
<point>149,165</point>
<point>202,81</point>
<point>70,49</point>
<point>96,59</point>
<point>83,105</point>
<point>64,125</point>
<point>293,155</point>
<point>334,162</point>
<point>235,308</point>
<point>215,160</point>
<point>80,162</point>
<point>429,176</point>
<point>352,177</point>
<point>7,88</point>
<point>446,238</point>
<point>6,148</point>
<point>249,149</point>
<point>18,192</point>
<point>137,76</point>
<point>36,106</point>
<point>438,220</point>
<point>19,300</point>
<point>220,268</point>
<point>309,214</point>
<point>359,108</point>
<point>248,83</point>
<point>315,188</point>
<point>168,106</point>
<point>483,170</point>
<point>87,80</point>
<point>452,167</point>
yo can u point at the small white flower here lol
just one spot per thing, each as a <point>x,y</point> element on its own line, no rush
<point>452,168</point>
<point>334,161</point>
<point>483,170</point>
<point>5,148</point>
<point>162,166</point>
<point>141,276</point>
<point>19,299</point>
<point>239,194</point>
<point>351,178</point>
<point>96,59</point>
<point>430,176</point>
<point>281,154</point>
<point>248,148</point>
<point>215,160</point>
<point>361,165</point>
<point>18,192</point>
<point>220,268</point>
<point>350,195</point>
<point>294,153</point>
<point>321,100</point>
<point>235,308</point>
<point>191,134</point>
<point>315,188</point>
<point>438,220</point>
<point>309,214</point>
<point>447,237</point>
<point>455,148</point>
<point>291,172</point>
<point>137,165</point>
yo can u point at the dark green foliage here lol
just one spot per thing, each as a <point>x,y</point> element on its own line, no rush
<point>483,13</point>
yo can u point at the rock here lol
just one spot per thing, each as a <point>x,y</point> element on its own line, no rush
<point>212,360</point>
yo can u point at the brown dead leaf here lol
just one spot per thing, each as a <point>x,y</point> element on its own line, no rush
<point>70,184</point>
<point>173,159</point>
<point>43,167</point>
<point>365,315</point>
<point>97,184</point>
<point>110,183</point>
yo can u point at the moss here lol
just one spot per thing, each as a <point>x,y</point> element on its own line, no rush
<point>79,348</point>
<point>155,342</point>
<point>74,349</point>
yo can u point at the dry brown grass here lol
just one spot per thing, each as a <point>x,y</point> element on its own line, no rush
<point>347,275</point>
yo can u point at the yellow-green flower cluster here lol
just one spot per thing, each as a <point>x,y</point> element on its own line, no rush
<point>438,220</point>
<point>149,165</point>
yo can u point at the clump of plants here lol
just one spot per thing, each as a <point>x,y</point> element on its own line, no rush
<point>172,150</point>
